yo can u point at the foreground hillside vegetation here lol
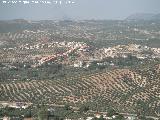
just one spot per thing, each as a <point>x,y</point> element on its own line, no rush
<point>123,89</point>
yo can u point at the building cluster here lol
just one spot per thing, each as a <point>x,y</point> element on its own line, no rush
<point>138,51</point>
<point>23,105</point>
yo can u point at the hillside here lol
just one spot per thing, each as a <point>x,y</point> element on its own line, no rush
<point>143,16</point>
<point>123,89</point>
<point>157,16</point>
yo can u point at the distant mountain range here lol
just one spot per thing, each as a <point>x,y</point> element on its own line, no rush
<point>144,16</point>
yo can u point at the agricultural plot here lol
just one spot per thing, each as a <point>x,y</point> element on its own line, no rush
<point>122,89</point>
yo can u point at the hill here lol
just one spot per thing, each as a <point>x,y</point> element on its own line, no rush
<point>143,16</point>
<point>123,89</point>
<point>156,17</point>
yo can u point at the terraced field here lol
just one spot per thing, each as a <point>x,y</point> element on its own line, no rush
<point>120,88</point>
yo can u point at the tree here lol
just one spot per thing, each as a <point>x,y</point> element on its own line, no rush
<point>28,114</point>
<point>120,117</point>
<point>111,112</point>
<point>67,107</point>
<point>101,118</point>
<point>42,113</point>
<point>84,108</point>
<point>142,108</point>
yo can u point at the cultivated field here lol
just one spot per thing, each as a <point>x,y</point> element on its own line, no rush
<point>122,89</point>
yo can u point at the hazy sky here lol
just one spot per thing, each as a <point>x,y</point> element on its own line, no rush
<point>82,9</point>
